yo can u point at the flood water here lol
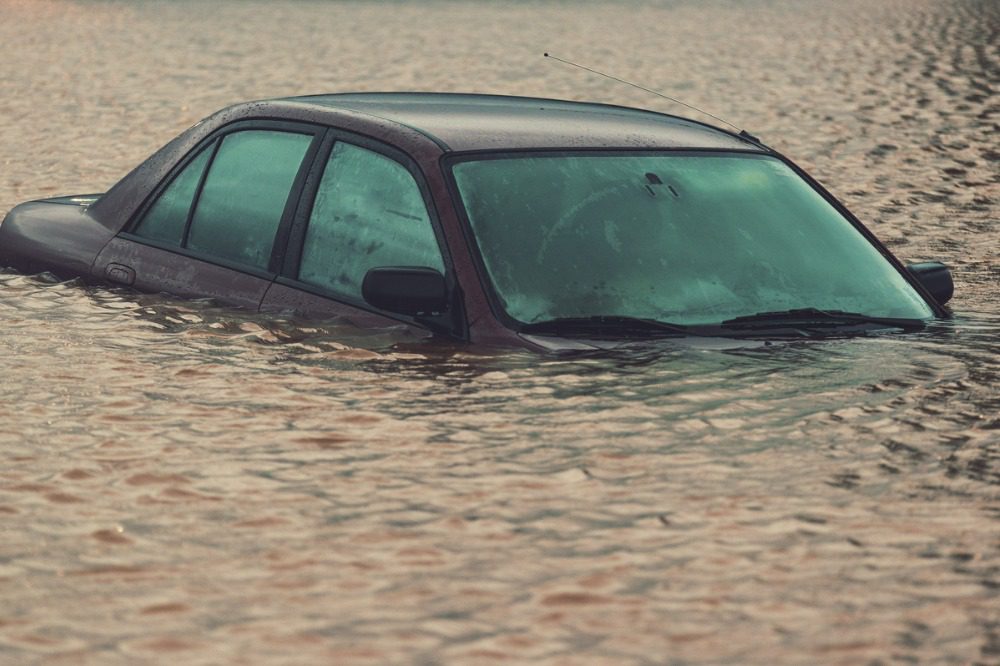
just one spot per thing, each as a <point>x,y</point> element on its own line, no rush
<point>182,481</point>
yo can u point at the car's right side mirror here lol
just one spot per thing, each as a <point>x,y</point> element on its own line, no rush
<point>936,278</point>
<point>407,290</point>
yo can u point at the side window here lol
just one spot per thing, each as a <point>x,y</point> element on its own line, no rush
<point>244,196</point>
<point>166,219</point>
<point>368,213</point>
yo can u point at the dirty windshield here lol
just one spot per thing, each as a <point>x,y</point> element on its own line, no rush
<point>688,238</point>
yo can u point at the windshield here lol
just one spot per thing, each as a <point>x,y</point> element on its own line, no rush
<point>689,238</point>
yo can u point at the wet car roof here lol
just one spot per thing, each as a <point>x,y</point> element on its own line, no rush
<point>469,122</point>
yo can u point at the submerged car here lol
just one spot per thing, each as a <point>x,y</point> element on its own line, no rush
<point>489,219</point>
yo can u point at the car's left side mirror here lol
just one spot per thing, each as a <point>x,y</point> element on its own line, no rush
<point>936,278</point>
<point>406,290</point>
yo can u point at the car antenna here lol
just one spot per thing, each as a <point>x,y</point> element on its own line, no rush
<point>742,132</point>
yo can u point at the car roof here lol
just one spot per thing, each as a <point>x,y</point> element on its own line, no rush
<point>476,122</point>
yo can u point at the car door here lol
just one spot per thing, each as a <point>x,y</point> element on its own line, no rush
<point>367,208</point>
<point>216,226</point>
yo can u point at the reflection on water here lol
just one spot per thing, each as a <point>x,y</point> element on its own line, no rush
<point>186,481</point>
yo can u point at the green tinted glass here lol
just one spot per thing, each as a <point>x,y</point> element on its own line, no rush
<point>368,213</point>
<point>166,219</point>
<point>245,193</point>
<point>691,239</point>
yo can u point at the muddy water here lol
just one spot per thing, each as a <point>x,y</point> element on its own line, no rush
<point>186,482</point>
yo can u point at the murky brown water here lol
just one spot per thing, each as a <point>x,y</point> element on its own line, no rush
<point>191,483</point>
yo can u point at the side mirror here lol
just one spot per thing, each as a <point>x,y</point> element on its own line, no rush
<point>406,290</point>
<point>935,277</point>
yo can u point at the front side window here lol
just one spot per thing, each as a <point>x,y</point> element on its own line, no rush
<point>244,195</point>
<point>368,213</point>
<point>696,238</point>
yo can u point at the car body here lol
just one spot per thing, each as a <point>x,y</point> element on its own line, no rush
<point>489,219</point>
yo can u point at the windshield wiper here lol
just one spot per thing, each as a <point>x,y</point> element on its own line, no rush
<point>615,325</point>
<point>801,319</point>
<point>817,318</point>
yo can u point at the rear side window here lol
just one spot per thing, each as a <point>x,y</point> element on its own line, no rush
<point>240,205</point>
<point>368,213</point>
<point>166,220</point>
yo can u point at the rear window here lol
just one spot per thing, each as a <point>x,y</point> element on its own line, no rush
<point>244,196</point>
